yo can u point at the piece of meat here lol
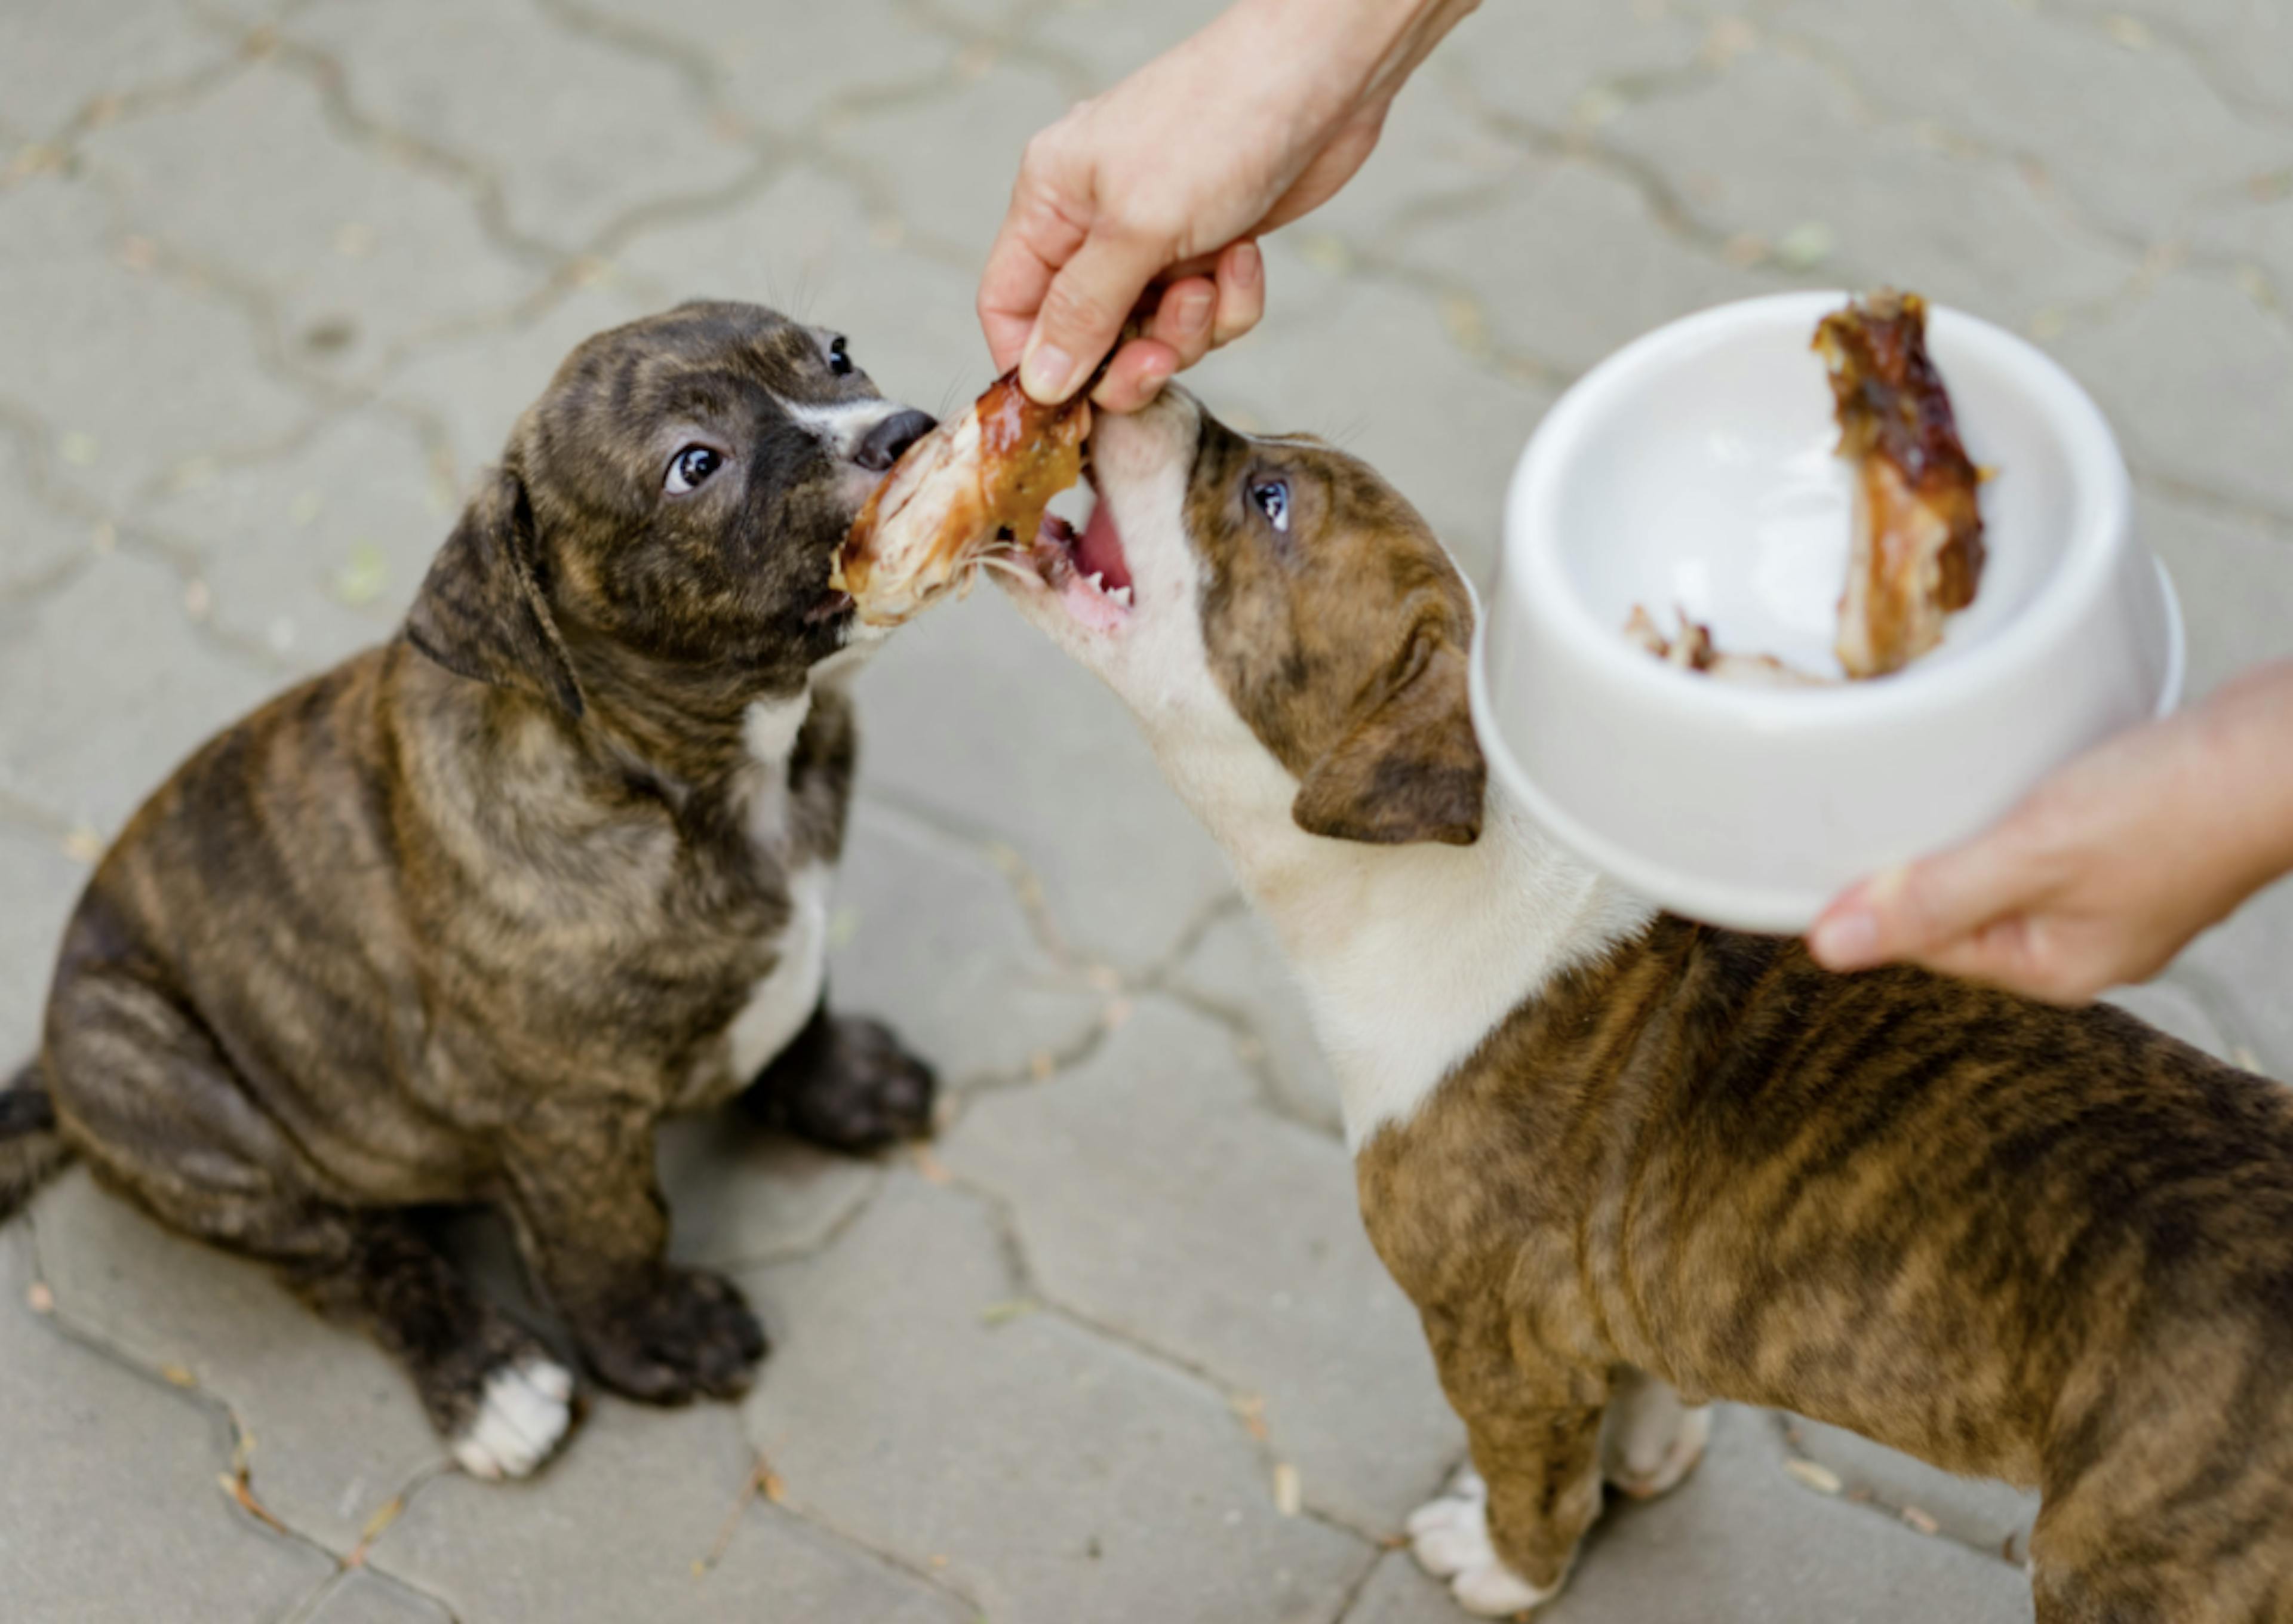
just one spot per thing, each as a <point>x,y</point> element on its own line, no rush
<point>981,478</point>
<point>1694,650</point>
<point>1918,550</point>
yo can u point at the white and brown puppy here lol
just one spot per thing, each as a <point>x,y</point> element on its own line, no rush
<point>1615,1156</point>
<point>459,920</point>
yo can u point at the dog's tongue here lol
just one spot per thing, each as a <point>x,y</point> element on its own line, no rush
<point>1098,550</point>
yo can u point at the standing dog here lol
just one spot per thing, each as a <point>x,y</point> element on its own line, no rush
<point>463,919</point>
<point>1616,1158</point>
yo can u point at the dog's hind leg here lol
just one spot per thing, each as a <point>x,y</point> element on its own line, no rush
<point>164,1120</point>
<point>1654,1437</point>
<point>845,1083</point>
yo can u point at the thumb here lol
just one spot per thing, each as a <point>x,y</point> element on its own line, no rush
<point>1083,311</point>
<point>1922,909</point>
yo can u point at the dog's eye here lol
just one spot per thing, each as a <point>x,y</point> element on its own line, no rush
<point>689,467</point>
<point>839,358</point>
<point>1272,499</point>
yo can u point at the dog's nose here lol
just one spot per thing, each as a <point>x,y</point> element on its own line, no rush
<point>888,438</point>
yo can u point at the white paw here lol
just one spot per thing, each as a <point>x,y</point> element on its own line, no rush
<point>1654,1439</point>
<point>522,1415</point>
<point>1450,1539</point>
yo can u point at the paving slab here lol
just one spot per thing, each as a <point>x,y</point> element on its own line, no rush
<point>1151,1195</point>
<point>337,1431</point>
<point>1237,970</point>
<point>652,1514</point>
<point>42,883</point>
<point>158,374</point>
<point>38,546</point>
<point>1982,1515</point>
<point>360,252</point>
<point>571,135</point>
<point>316,553</point>
<point>108,687</point>
<point>2239,47</point>
<point>58,62</point>
<point>1778,154</point>
<point>1038,757</point>
<point>1042,1471</point>
<point>366,1598</point>
<point>119,1515</point>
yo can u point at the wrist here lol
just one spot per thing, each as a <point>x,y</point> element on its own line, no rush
<point>2248,730</point>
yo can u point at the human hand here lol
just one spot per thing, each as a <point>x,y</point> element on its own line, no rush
<point>1166,180</point>
<point>2107,869</point>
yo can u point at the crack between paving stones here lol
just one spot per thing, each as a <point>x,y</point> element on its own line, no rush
<point>239,1459</point>
<point>2182,44</point>
<point>1239,1402</point>
<point>1861,1494</point>
<point>59,151</point>
<point>837,1228</point>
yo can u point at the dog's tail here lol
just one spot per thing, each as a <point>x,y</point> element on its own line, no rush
<point>32,1150</point>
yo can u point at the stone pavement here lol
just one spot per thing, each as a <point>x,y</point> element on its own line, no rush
<point>275,278</point>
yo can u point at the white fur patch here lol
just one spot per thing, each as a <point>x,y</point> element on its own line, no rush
<point>784,1000</point>
<point>523,1415</point>
<point>1408,954</point>
<point>843,424</point>
<point>1654,1440</point>
<point>1450,1539</point>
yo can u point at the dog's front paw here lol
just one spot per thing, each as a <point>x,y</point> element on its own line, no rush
<point>1450,1539</point>
<point>858,1091</point>
<point>677,1335</point>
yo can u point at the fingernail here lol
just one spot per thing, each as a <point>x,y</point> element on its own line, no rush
<point>1048,373</point>
<point>1249,265</point>
<point>1846,940</point>
<point>1195,307</point>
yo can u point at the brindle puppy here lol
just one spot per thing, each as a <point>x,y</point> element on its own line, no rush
<point>461,919</point>
<point>1615,1156</point>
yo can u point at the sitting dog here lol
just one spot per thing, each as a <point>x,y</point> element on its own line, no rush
<point>460,920</point>
<point>1616,1158</point>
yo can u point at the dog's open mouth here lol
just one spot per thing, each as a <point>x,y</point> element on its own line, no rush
<point>1085,566</point>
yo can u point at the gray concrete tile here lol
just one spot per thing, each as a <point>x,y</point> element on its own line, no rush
<point>335,1428</point>
<point>42,883</point>
<point>1238,970</point>
<point>2242,964</point>
<point>1043,760</point>
<point>577,133</point>
<point>1983,1514</point>
<point>315,554</point>
<point>793,68</point>
<point>2134,137</point>
<point>110,1498</point>
<point>57,60</point>
<point>37,545</point>
<point>929,936</point>
<point>2198,379</point>
<point>367,1598</point>
<point>1779,150</point>
<point>2235,582</point>
<point>651,1516</point>
<point>738,1196</point>
<point>1571,266</point>
<point>954,191</point>
<point>2239,47</point>
<point>1043,1472</point>
<point>154,375</point>
<point>1153,1196</point>
<point>1741,1543</point>
<point>109,688</point>
<point>360,252</point>
<point>2178,1011</point>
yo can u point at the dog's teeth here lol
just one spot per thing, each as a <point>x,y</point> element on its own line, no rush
<point>1098,580</point>
<point>1122,594</point>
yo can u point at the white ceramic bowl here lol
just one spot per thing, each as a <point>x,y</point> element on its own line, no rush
<point>1695,469</point>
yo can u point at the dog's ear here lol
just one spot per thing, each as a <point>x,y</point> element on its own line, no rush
<point>481,612</point>
<point>1408,768</point>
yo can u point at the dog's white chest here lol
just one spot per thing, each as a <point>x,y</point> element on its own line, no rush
<point>784,1000</point>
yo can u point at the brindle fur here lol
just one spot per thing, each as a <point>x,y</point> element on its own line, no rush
<point>461,919</point>
<point>2046,1245</point>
